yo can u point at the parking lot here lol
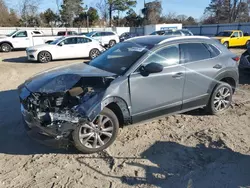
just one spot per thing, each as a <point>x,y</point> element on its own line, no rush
<point>173,151</point>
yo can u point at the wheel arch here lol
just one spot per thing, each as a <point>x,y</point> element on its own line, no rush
<point>117,105</point>
<point>45,51</point>
<point>229,77</point>
<point>8,42</point>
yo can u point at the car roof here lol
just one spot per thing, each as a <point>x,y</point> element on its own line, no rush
<point>231,31</point>
<point>155,39</point>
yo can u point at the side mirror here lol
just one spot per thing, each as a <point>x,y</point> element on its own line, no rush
<point>14,36</point>
<point>232,36</point>
<point>61,44</point>
<point>151,68</point>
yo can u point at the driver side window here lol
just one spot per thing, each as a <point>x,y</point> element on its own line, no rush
<point>21,34</point>
<point>69,41</point>
<point>235,34</point>
<point>166,56</point>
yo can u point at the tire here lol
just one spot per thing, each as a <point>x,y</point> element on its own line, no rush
<point>44,57</point>
<point>5,47</point>
<point>226,44</point>
<point>216,99</point>
<point>83,133</point>
<point>248,44</point>
<point>112,43</point>
<point>94,53</point>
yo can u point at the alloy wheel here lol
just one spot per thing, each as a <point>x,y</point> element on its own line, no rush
<point>222,99</point>
<point>5,48</point>
<point>94,53</point>
<point>97,133</point>
<point>45,57</point>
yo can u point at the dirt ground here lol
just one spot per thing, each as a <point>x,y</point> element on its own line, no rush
<point>187,150</point>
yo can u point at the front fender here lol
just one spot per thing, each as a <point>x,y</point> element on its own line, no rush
<point>97,104</point>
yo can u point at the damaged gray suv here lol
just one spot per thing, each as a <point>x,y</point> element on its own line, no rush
<point>139,79</point>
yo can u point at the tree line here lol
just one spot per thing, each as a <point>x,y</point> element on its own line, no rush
<point>74,13</point>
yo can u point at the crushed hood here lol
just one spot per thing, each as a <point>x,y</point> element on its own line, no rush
<point>63,78</point>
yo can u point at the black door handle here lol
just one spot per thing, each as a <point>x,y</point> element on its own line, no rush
<point>178,75</point>
<point>218,66</point>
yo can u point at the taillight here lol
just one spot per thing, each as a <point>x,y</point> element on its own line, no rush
<point>237,58</point>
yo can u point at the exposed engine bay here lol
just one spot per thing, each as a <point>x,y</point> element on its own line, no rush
<point>60,108</point>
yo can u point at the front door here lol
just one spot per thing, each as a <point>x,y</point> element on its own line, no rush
<point>66,49</point>
<point>21,40</point>
<point>235,39</point>
<point>159,93</point>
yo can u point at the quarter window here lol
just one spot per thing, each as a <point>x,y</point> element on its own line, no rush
<point>166,57</point>
<point>213,50</point>
<point>194,52</point>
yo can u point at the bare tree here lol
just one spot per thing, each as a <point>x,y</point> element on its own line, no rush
<point>4,14</point>
<point>28,12</point>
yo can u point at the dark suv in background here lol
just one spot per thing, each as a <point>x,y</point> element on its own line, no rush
<point>178,32</point>
<point>138,79</point>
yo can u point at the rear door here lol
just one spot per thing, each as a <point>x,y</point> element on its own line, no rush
<point>97,36</point>
<point>158,93</point>
<point>21,40</point>
<point>201,67</point>
<point>83,47</point>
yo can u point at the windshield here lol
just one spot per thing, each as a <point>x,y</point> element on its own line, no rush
<point>121,57</point>
<point>90,34</point>
<point>57,40</point>
<point>12,33</point>
<point>224,34</point>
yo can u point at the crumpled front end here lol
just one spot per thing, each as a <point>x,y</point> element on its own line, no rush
<point>58,113</point>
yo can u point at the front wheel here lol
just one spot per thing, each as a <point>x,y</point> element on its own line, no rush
<point>5,47</point>
<point>95,136</point>
<point>221,99</point>
<point>226,44</point>
<point>44,57</point>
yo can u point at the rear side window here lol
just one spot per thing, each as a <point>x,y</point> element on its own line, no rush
<point>191,52</point>
<point>36,32</point>
<point>109,33</point>
<point>61,33</point>
<point>214,52</point>
<point>83,40</point>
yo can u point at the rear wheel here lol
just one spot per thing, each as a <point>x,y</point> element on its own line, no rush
<point>226,44</point>
<point>94,53</point>
<point>220,99</point>
<point>44,57</point>
<point>95,136</point>
<point>112,43</point>
<point>5,47</point>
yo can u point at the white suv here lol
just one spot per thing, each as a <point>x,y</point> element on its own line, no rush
<point>106,38</point>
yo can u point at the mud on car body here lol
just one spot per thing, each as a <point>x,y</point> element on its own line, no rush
<point>135,80</point>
